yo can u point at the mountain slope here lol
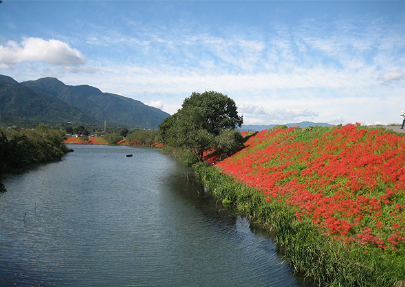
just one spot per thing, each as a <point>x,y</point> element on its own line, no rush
<point>20,104</point>
<point>102,106</point>
<point>86,90</point>
<point>128,111</point>
<point>8,79</point>
<point>58,89</point>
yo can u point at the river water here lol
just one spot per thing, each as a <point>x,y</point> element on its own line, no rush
<point>99,218</point>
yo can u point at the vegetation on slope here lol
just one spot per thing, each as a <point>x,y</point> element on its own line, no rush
<point>19,104</point>
<point>59,90</point>
<point>335,198</point>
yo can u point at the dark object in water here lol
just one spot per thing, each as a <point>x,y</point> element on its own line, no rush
<point>129,155</point>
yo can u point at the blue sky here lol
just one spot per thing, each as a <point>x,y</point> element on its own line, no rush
<point>281,61</point>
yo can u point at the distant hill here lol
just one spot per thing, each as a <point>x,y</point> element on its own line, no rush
<point>50,100</point>
<point>125,110</point>
<point>102,106</point>
<point>58,89</point>
<point>19,104</point>
<point>252,128</point>
<point>8,79</point>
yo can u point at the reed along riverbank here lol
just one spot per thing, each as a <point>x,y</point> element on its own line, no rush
<point>334,197</point>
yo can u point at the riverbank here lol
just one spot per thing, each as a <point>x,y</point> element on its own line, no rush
<point>21,148</point>
<point>333,196</point>
<point>99,140</point>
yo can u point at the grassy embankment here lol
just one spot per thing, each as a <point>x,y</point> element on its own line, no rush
<point>334,197</point>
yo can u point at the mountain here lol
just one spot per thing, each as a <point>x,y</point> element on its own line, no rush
<point>86,90</point>
<point>125,110</point>
<point>56,88</point>
<point>252,128</point>
<point>20,104</point>
<point>8,79</point>
<point>108,107</point>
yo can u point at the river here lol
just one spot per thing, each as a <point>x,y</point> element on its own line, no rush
<point>99,218</point>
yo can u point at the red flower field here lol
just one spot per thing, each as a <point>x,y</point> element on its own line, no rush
<point>348,181</point>
<point>91,140</point>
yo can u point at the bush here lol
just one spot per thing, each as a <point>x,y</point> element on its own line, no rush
<point>112,138</point>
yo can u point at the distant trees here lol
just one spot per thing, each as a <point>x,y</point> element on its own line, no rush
<point>79,130</point>
<point>123,131</point>
<point>112,138</point>
<point>205,121</point>
<point>69,130</point>
<point>143,137</point>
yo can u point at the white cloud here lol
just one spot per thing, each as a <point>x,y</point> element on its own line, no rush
<point>391,77</point>
<point>252,109</point>
<point>155,104</point>
<point>336,120</point>
<point>255,114</point>
<point>32,49</point>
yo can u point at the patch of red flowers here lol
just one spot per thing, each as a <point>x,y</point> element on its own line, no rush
<point>72,140</point>
<point>211,156</point>
<point>349,181</point>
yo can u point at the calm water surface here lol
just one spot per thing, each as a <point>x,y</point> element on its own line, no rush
<point>99,218</point>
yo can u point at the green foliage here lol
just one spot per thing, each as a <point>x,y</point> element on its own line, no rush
<point>205,121</point>
<point>214,111</point>
<point>79,130</point>
<point>281,127</point>
<point>69,130</point>
<point>228,142</point>
<point>112,138</point>
<point>20,148</point>
<point>143,137</point>
<point>84,138</point>
<point>123,131</point>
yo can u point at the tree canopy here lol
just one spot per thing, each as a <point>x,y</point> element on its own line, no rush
<point>201,123</point>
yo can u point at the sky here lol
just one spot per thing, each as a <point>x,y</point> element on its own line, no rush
<point>333,62</point>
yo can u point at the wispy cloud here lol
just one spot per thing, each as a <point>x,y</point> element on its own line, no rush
<point>391,77</point>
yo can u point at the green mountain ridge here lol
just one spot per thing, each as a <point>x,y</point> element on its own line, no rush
<point>53,101</point>
<point>8,79</point>
<point>19,104</point>
<point>58,89</point>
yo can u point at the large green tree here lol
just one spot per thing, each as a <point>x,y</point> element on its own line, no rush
<point>201,123</point>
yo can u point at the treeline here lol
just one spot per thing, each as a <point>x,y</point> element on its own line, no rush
<point>139,137</point>
<point>20,148</point>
